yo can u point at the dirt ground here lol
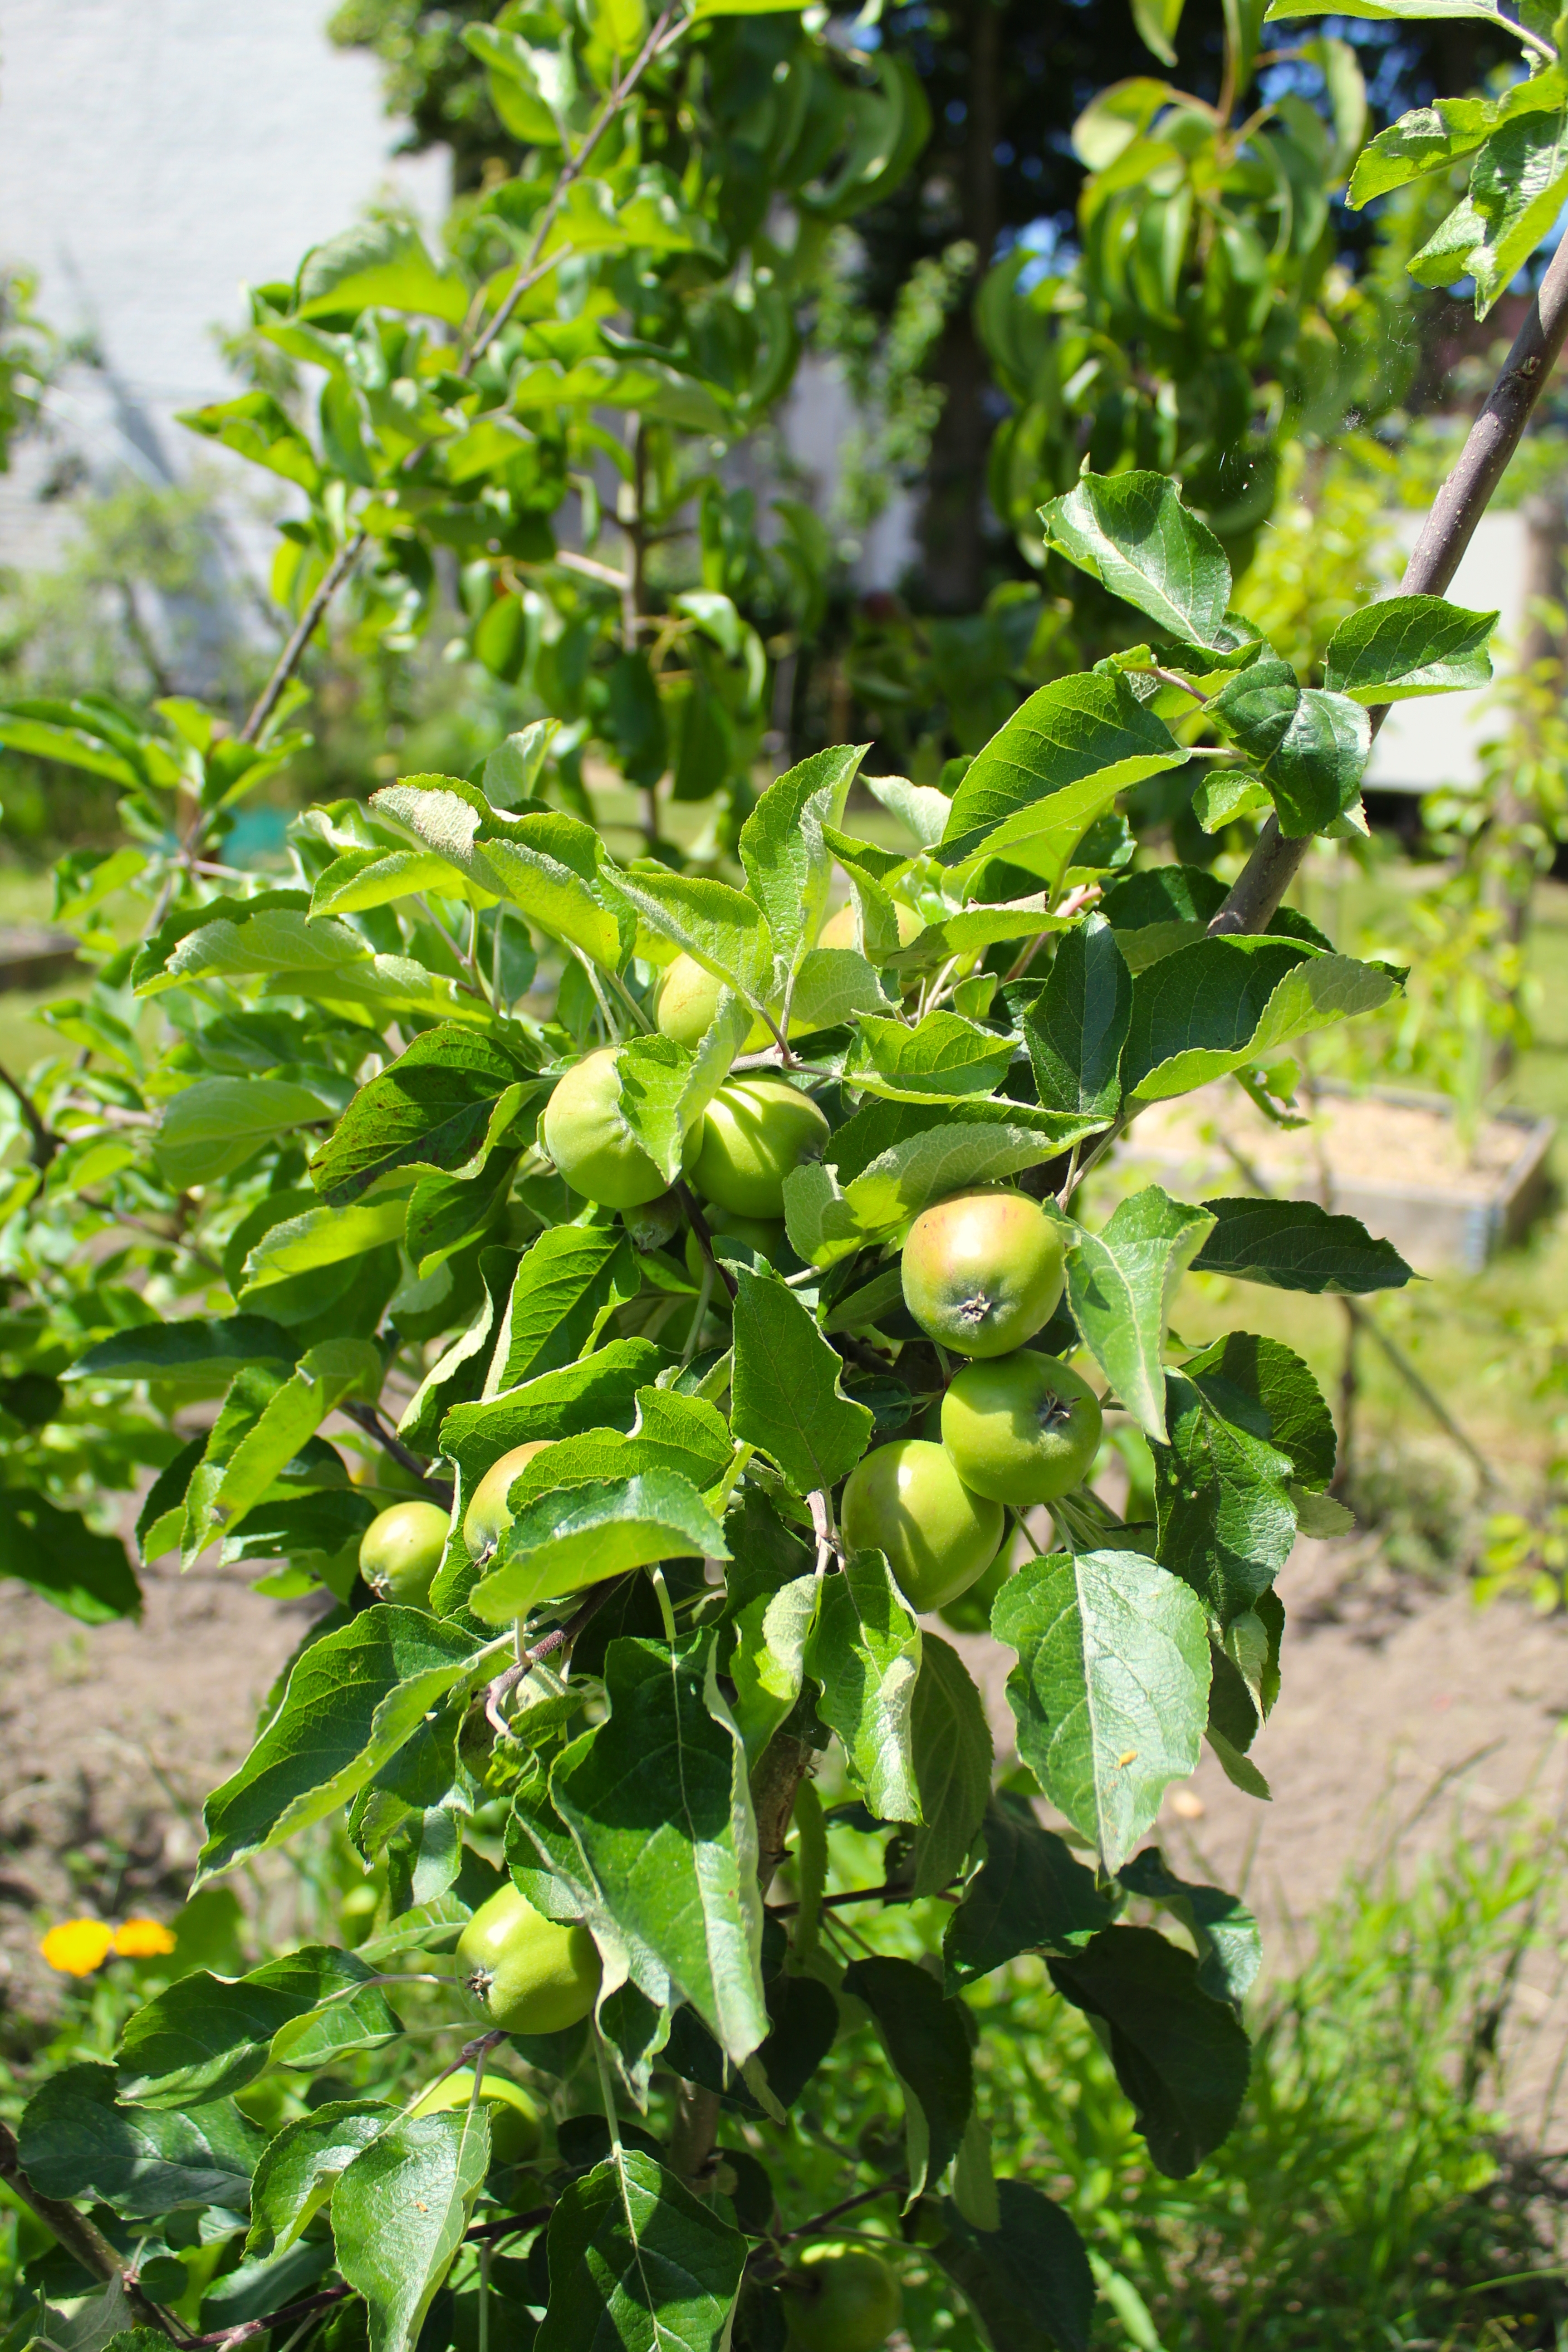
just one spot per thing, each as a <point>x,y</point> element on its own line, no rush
<point>1403,1709</point>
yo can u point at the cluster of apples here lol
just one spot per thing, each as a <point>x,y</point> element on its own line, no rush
<point>981,1273</point>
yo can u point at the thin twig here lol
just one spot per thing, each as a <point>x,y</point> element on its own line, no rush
<point>46,1142</point>
<point>561,1638</point>
<point>893,1892</point>
<point>698,1223</point>
<point>846,2205</point>
<point>1447,533</point>
<point>365,1417</point>
<point>81,2238</point>
<point>289,660</point>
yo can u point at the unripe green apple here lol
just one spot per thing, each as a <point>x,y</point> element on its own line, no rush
<point>1021,1429</point>
<point>527,1973</point>
<point>983,1272</point>
<point>971,1612</point>
<point>589,1140</point>
<point>754,1131</point>
<point>515,2133</point>
<point>908,1501</point>
<point>838,930</point>
<point>688,1001</point>
<point>487,1515</point>
<point>401,1550</point>
<point>841,2299</point>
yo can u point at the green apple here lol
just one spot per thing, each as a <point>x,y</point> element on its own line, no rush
<point>839,930</point>
<point>983,1271</point>
<point>688,1001</point>
<point>515,2133</point>
<point>487,1515</point>
<point>1021,1429</point>
<point>527,1974</point>
<point>589,1140</point>
<point>841,2299</point>
<point>754,1131</point>
<point>908,1501</point>
<point>401,1550</point>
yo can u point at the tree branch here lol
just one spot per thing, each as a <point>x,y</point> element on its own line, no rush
<point>1447,533</point>
<point>365,1417</point>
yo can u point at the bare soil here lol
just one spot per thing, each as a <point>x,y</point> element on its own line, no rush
<point>1363,1139</point>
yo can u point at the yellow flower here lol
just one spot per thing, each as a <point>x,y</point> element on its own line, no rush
<point>77,1946</point>
<point>142,1940</point>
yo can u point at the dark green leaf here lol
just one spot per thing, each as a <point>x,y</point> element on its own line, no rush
<point>1132,533</point>
<point>1029,2279</point>
<point>1030,1895</point>
<point>422,2175</point>
<point>1181,2058</point>
<point>442,1105</point>
<point>578,1535</point>
<point>192,1349</point>
<point>597,1393</point>
<point>207,2036</point>
<point>352,1699</point>
<point>639,2262</point>
<point>1224,1003</point>
<point>77,2140</point>
<point>1297,1246</point>
<point>944,1056</point>
<point>951,1743</point>
<point>787,1398</point>
<point>1408,645</point>
<point>570,1281</point>
<point>657,1800</point>
<point>57,1554</point>
<point>1078,1025</point>
<point>1264,1387</point>
<point>927,2044</point>
<point>1111,1690</point>
<point>1060,759</point>
<point>1225,1931</point>
<point>1310,746</point>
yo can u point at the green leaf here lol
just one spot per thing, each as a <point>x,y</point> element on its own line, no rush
<point>265,1420</point>
<point>300,2168</point>
<point>1122,1284</point>
<point>1132,533</point>
<point>665,1087</point>
<point>1249,1425</point>
<point>949,1741</point>
<point>892,1159</point>
<point>768,1663</point>
<point>196,1348</point>
<point>831,987</point>
<point>598,1392</point>
<point>1077,1027</point>
<point>322,1237</point>
<point>977,929</point>
<point>354,1698</point>
<point>581,1535</point>
<point>1028,2280</point>
<point>943,1056</point>
<point>256,426</point>
<point>1426,139</point>
<point>865,1652</point>
<point>787,1398</point>
<point>1225,1931</point>
<point>362,879</point>
<point>552,866</point>
<point>230,938</point>
<point>1409,645</point>
<point>207,2036</point>
<point>63,1560</point>
<point>568,1283</point>
<point>717,927</point>
<point>380,264</point>
<point>1110,1691</point>
<point>1181,2058</point>
<point>1517,186</point>
<point>457,1376</point>
<point>1061,757</point>
<point>77,2140</point>
<point>1157,22</point>
<point>427,2171</point>
<point>1225,1003</point>
<point>443,1104</point>
<point>1297,1246</point>
<point>786,858</point>
<point>928,2048</point>
<point>1310,746</point>
<point>216,1125</point>
<point>639,2262</point>
<point>657,1800</point>
<point>1030,1895</point>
